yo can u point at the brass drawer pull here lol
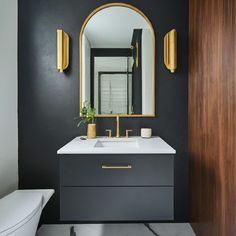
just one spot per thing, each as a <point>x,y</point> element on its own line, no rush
<point>116,167</point>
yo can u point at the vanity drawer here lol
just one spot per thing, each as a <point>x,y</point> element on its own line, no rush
<point>117,203</point>
<point>117,170</point>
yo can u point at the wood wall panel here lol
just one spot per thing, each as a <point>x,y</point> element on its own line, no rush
<point>212,116</point>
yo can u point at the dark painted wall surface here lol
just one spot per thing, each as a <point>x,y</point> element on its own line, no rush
<point>49,101</point>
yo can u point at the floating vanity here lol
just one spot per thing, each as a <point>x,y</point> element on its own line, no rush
<point>117,179</point>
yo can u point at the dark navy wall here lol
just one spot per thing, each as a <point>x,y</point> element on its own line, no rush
<point>49,101</point>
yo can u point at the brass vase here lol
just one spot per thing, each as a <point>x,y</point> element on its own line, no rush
<point>91,131</point>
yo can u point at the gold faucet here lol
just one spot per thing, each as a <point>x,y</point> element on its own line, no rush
<point>127,132</point>
<point>118,126</point>
<point>109,132</point>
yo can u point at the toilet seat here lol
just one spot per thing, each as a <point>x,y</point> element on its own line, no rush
<point>17,208</point>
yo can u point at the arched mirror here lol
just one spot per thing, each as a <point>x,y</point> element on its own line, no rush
<point>117,62</point>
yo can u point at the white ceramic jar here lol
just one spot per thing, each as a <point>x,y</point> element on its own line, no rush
<point>146,132</point>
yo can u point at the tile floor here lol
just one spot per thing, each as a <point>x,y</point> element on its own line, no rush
<point>160,229</point>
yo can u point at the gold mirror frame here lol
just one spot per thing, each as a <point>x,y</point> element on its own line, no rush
<point>154,57</point>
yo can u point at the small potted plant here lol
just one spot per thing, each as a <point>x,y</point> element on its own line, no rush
<point>88,117</point>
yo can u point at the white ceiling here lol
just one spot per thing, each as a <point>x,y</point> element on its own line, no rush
<point>113,27</point>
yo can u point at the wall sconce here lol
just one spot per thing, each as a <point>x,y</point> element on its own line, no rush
<point>170,50</point>
<point>136,53</point>
<point>62,50</point>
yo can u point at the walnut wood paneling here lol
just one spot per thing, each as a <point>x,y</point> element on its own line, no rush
<point>212,116</point>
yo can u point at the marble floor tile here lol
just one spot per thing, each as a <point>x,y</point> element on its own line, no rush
<point>95,230</point>
<point>162,229</point>
<point>172,229</point>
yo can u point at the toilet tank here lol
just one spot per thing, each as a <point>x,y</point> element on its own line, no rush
<point>20,211</point>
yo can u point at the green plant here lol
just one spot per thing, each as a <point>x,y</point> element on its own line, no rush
<point>88,114</point>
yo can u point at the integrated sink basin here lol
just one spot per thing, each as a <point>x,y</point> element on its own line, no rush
<point>105,145</point>
<point>116,143</point>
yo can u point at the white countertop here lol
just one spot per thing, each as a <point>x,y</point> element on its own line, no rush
<point>131,145</point>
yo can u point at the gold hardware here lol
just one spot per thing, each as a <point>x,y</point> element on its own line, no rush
<point>109,132</point>
<point>127,132</point>
<point>125,115</point>
<point>62,50</point>
<point>117,126</point>
<point>116,167</point>
<point>153,56</point>
<point>170,50</point>
<point>137,52</point>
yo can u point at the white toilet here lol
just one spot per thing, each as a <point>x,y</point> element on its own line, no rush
<point>20,211</point>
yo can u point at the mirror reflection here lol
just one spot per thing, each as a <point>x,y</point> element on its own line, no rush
<point>117,59</point>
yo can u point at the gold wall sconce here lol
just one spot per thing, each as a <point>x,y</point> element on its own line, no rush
<point>136,53</point>
<point>62,50</point>
<point>170,50</point>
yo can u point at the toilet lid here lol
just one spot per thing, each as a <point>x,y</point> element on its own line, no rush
<point>17,206</point>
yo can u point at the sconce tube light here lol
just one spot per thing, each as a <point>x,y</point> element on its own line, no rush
<point>170,50</point>
<point>62,50</point>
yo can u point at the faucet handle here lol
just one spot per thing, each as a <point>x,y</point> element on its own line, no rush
<point>127,132</point>
<point>109,132</point>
